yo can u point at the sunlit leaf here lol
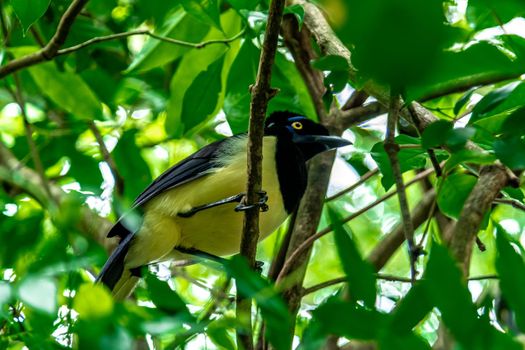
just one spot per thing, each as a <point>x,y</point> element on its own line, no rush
<point>202,95</point>
<point>93,302</point>
<point>40,293</point>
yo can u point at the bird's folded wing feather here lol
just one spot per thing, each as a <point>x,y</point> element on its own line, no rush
<point>191,168</point>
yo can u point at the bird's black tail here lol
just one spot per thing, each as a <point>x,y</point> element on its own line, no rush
<point>114,275</point>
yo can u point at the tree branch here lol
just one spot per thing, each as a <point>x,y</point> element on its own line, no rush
<point>307,243</point>
<point>382,252</point>
<point>100,39</point>
<point>50,50</point>
<point>16,174</point>
<point>358,183</point>
<point>491,181</point>
<point>261,94</point>
<point>392,149</point>
<point>119,181</point>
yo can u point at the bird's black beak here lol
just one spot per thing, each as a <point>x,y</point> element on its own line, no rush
<point>328,142</point>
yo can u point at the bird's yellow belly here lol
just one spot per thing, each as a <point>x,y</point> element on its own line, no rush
<point>215,230</point>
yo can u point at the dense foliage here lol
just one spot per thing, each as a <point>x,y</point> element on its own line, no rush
<point>82,134</point>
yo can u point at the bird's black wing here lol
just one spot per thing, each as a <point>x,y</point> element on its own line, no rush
<point>186,170</point>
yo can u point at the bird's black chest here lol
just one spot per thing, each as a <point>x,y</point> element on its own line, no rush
<point>291,172</point>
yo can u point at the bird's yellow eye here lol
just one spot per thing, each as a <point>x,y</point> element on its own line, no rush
<point>297,125</point>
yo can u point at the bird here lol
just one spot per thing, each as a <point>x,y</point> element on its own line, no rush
<point>195,207</point>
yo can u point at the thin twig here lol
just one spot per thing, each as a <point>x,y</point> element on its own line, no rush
<point>110,37</point>
<point>261,94</point>
<point>379,276</point>
<point>49,51</point>
<point>119,181</point>
<point>511,201</point>
<point>392,149</point>
<point>357,98</point>
<point>361,181</point>
<point>37,160</point>
<point>431,154</point>
<point>308,242</point>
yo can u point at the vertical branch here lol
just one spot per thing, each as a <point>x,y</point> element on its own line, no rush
<point>119,181</point>
<point>261,94</point>
<point>392,149</point>
<point>37,161</point>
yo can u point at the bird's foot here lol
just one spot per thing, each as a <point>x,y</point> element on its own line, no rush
<point>263,198</point>
<point>259,266</point>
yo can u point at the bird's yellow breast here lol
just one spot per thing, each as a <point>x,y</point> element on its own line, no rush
<point>216,230</point>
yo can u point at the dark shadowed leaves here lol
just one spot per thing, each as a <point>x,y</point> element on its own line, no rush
<point>409,158</point>
<point>453,193</point>
<point>359,273</point>
<point>273,309</point>
<point>510,151</point>
<point>166,299</point>
<point>28,12</point>
<point>511,270</point>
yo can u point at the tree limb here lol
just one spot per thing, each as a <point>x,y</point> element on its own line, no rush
<point>261,94</point>
<point>392,150</point>
<point>49,51</point>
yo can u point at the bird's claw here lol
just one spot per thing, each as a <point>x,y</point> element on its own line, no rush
<point>261,204</point>
<point>259,266</point>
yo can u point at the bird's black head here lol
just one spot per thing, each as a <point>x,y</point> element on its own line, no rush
<point>310,137</point>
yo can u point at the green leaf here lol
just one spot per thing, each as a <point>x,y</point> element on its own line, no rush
<point>436,134</point>
<point>492,13</point>
<point>511,271</point>
<point>242,6</point>
<point>202,96</point>
<point>298,11</point>
<point>391,340</point>
<point>218,333</point>
<point>338,67</point>
<point>454,192</point>
<point>132,167</point>
<point>165,298</point>
<point>468,156</point>
<point>273,308</point>
<point>40,293</point>
<point>197,61</point>
<point>349,320</point>
<point>464,99</point>
<point>492,100</point>
<point>510,151</point>
<point>156,53</point>
<point>29,11</point>
<point>481,60</point>
<point>19,234</point>
<point>409,159</point>
<point>206,11</point>
<point>415,24</point>
<point>242,75</point>
<point>454,302</point>
<point>411,309</point>
<point>93,302</point>
<point>293,94</point>
<point>66,89</point>
<point>514,124</point>
<point>6,297</point>
<point>457,138</point>
<point>359,273</point>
